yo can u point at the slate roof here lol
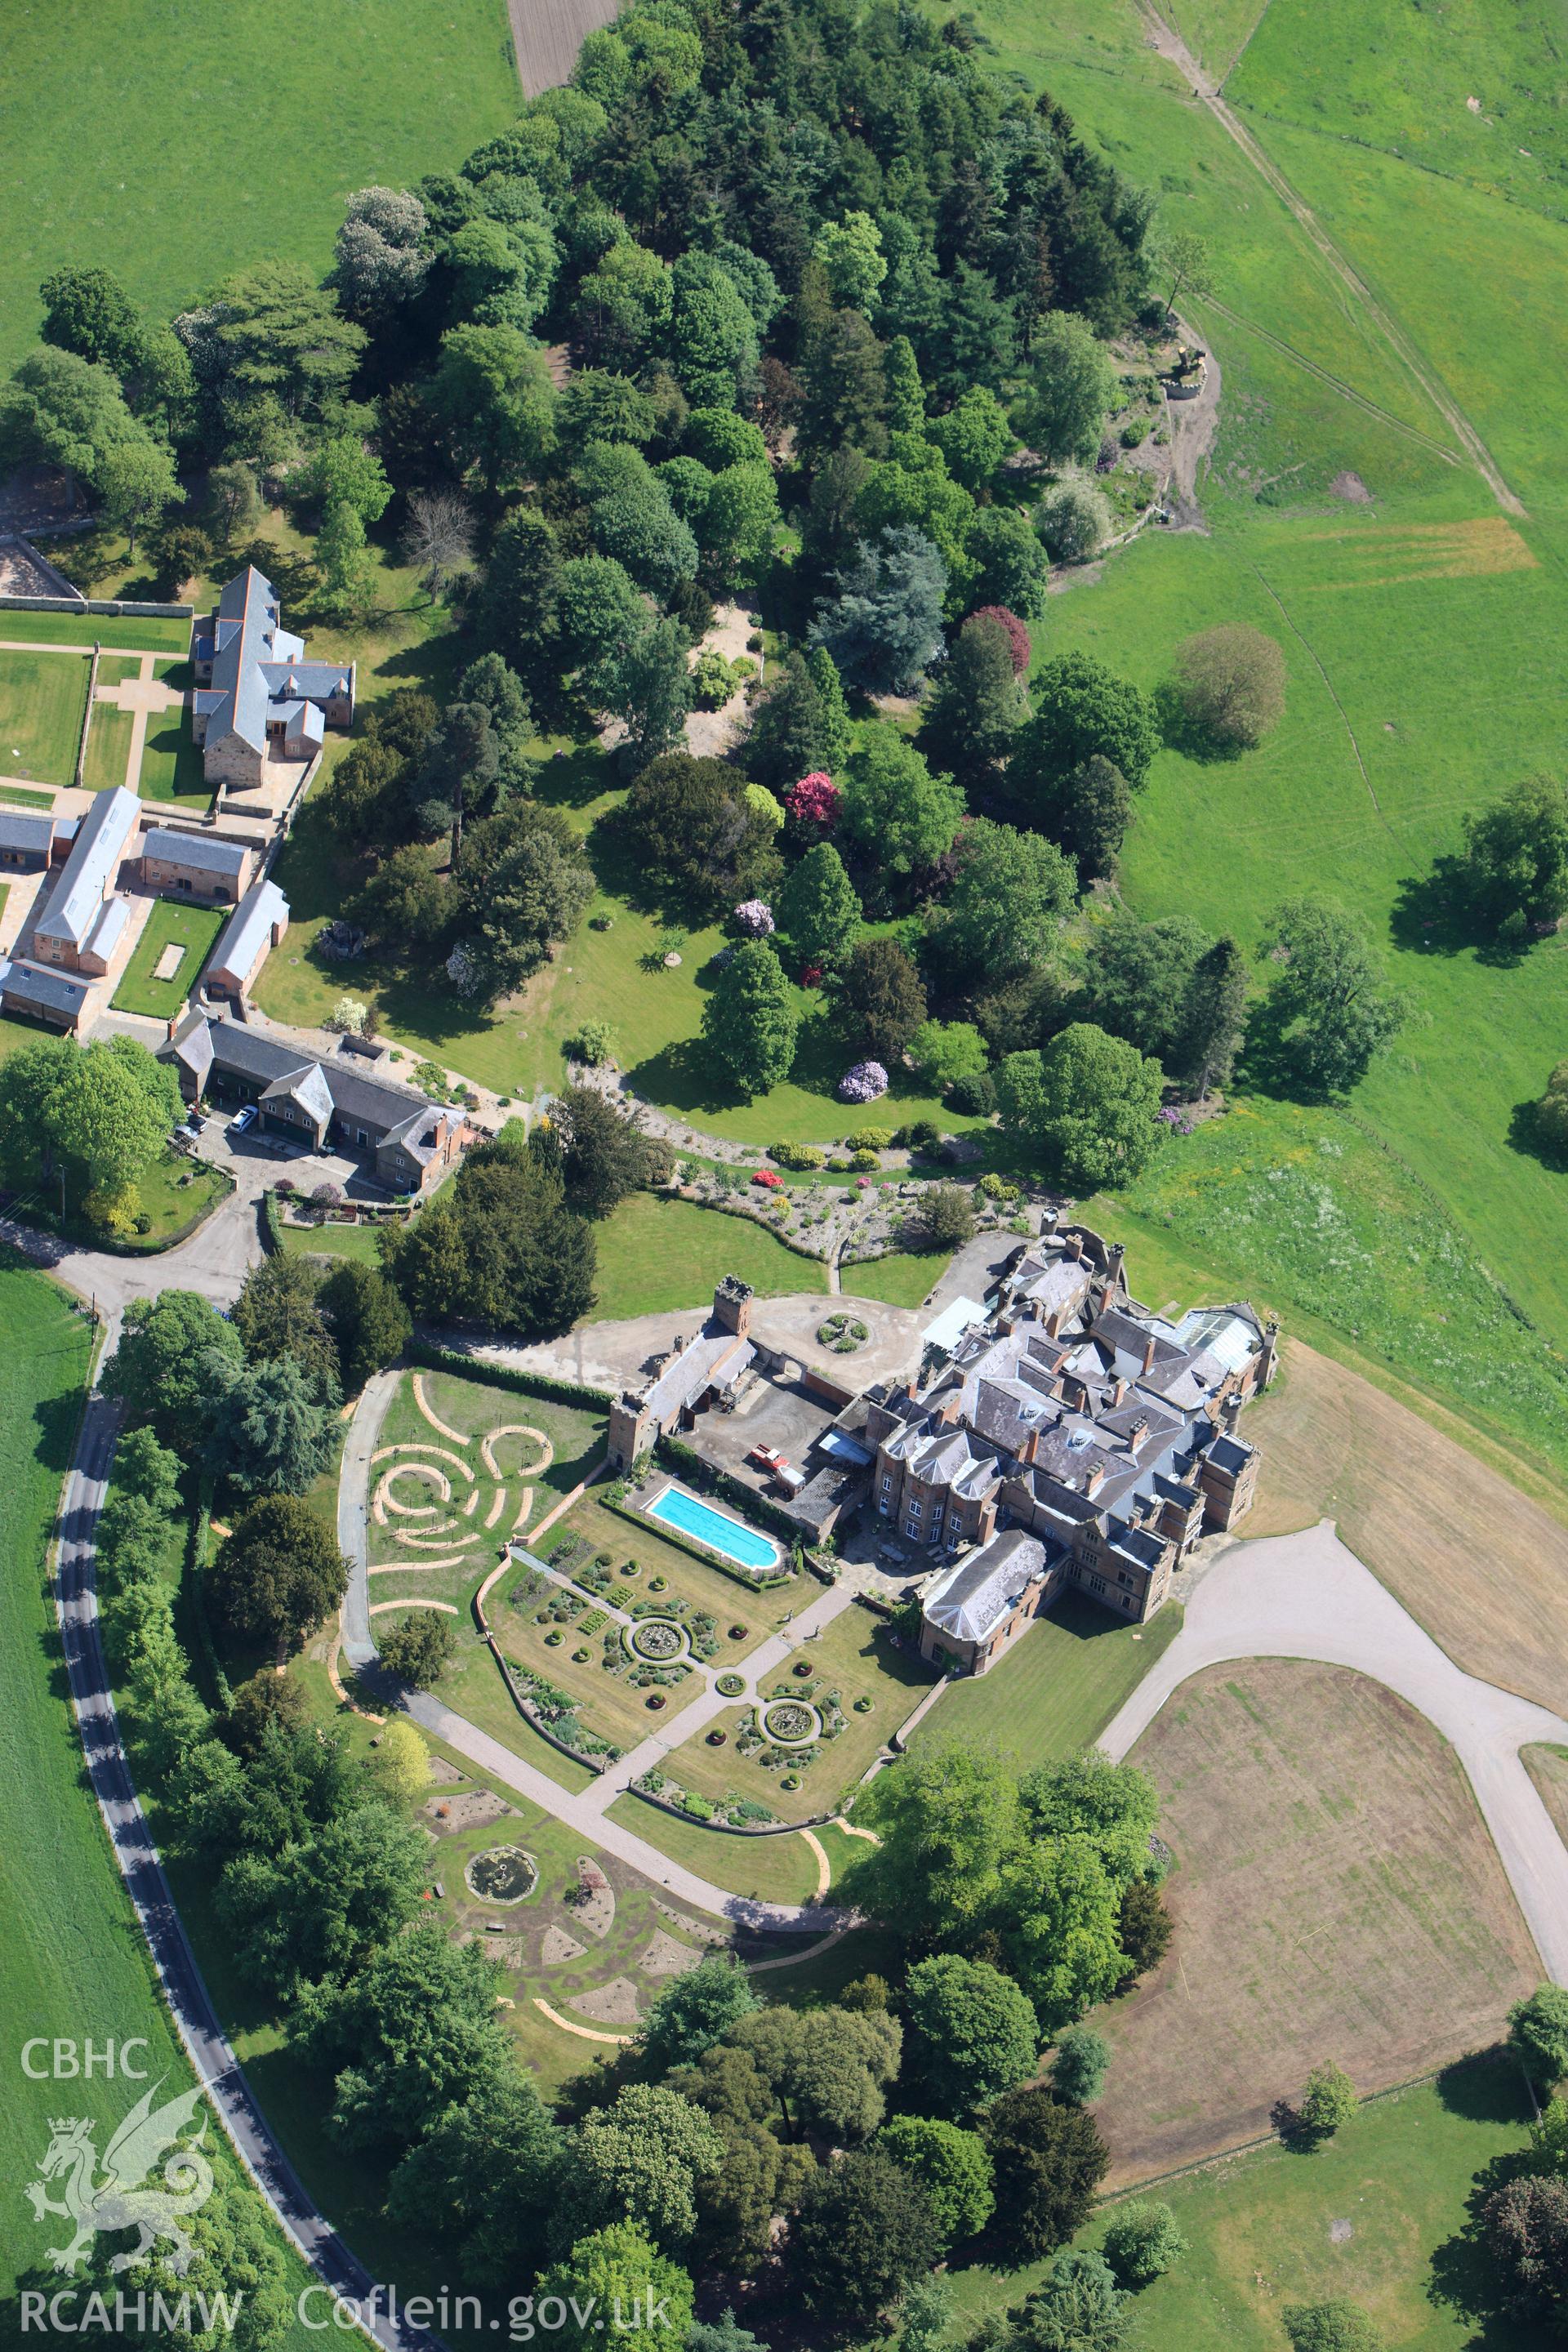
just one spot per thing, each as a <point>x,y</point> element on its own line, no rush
<point>713,1354</point>
<point>305,1084</point>
<point>23,836</point>
<point>974,1596</point>
<point>90,871</point>
<point>55,992</point>
<point>249,928</point>
<point>257,665</point>
<point>282,1069</point>
<point>107,932</point>
<point>201,851</point>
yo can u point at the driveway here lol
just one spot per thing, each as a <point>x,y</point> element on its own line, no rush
<point>1308,1596</point>
<point>213,1262</point>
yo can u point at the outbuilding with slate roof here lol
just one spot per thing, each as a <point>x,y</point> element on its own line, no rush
<point>257,698</point>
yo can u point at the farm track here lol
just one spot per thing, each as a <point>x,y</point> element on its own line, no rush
<point>1169,44</point>
<point>1336,384</point>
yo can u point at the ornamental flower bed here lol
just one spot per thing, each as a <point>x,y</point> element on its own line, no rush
<point>863,1083</point>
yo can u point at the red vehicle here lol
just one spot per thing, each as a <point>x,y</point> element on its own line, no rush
<point>768,1457</point>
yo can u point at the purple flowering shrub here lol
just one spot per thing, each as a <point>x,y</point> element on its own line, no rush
<point>863,1084</point>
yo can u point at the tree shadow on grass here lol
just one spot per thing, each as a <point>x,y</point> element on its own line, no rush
<point>1180,731</point>
<point>1489,2088</point>
<point>1434,915</point>
<point>1524,1136</point>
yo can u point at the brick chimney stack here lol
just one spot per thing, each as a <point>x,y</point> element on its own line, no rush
<point>1148,1353</point>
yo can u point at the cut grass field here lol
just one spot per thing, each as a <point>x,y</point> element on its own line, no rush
<point>1270,2229</point>
<point>121,119</point>
<point>333,1242</point>
<point>1479,1564</point>
<point>193,931</point>
<point>73,1963</point>
<point>657,1255</point>
<point>1335,1894</point>
<point>42,697</point>
<point>1057,1687</point>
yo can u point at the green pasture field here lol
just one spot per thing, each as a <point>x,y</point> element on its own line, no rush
<point>1260,2229</point>
<point>138,145</point>
<point>658,1255</point>
<point>194,929</point>
<point>1374,73</point>
<point>1226,842</point>
<point>1057,1688</point>
<point>74,1963</point>
<point>42,697</point>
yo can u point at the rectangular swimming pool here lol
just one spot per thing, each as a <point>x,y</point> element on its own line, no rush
<point>720,1533</point>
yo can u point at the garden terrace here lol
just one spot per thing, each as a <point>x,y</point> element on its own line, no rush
<point>853,1656</point>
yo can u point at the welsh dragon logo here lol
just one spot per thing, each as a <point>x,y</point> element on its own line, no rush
<point>122,2199</point>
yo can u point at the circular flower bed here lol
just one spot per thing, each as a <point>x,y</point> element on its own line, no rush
<point>655,1701</point>
<point>791,1722</point>
<point>737,1633</point>
<point>717,1739</point>
<point>843,1334</point>
<point>732,1686</point>
<point>658,1584</point>
<point>800,1670</point>
<point>657,1640</point>
<point>553,1639</point>
<point>501,1873</point>
<point>863,1705</point>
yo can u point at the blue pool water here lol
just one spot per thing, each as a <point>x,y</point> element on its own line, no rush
<point>693,1517</point>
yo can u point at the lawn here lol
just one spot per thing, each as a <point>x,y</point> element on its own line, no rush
<point>658,1255</point>
<point>902,1278</point>
<point>1335,1894</point>
<point>1269,2230</point>
<point>171,763</point>
<point>768,1869</point>
<point>18,796</point>
<point>122,120</point>
<point>42,697</point>
<point>1057,1687</point>
<point>610,970</point>
<point>171,1191</point>
<point>74,1963</point>
<point>147,635</point>
<point>108,746</point>
<point>333,1241</point>
<point>193,931</point>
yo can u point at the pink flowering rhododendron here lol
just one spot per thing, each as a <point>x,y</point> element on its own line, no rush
<point>755,917</point>
<point>814,799</point>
